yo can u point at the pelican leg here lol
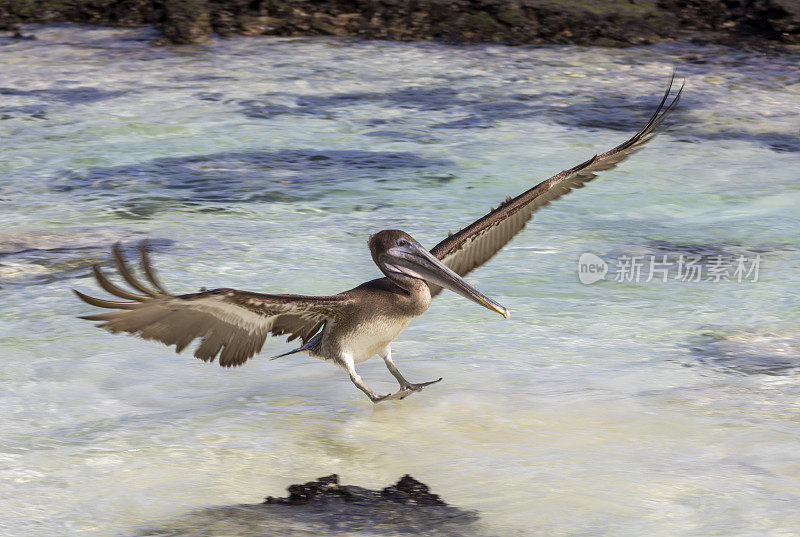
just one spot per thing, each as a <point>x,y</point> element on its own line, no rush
<point>348,364</point>
<point>386,354</point>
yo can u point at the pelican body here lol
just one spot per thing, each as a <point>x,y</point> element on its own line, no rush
<point>350,327</point>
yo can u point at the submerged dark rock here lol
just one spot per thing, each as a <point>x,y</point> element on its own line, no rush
<point>44,257</point>
<point>246,176</point>
<point>748,351</point>
<point>325,507</point>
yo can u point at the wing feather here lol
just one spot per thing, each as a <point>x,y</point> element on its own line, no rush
<point>115,290</point>
<point>474,245</point>
<point>148,268</point>
<point>127,275</point>
<point>230,324</point>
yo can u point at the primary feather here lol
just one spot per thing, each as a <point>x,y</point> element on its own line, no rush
<point>231,324</point>
<point>478,242</point>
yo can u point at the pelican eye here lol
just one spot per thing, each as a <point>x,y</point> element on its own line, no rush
<point>403,242</point>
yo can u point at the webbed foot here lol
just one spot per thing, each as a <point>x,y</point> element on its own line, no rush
<point>418,387</point>
<point>399,394</point>
<point>403,392</point>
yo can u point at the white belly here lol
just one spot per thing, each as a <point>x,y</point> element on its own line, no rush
<point>373,337</point>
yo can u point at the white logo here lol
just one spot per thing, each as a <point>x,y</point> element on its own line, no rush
<point>591,268</point>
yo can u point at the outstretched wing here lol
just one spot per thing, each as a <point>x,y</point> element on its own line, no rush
<point>232,324</point>
<point>477,243</point>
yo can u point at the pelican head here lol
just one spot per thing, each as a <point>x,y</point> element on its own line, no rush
<point>400,257</point>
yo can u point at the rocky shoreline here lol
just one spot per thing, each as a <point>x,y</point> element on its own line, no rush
<point>582,22</point>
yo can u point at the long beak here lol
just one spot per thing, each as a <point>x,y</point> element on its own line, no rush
<point>417,262</point>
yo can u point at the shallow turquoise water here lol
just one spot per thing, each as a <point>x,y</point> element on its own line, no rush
<point>615,408</point>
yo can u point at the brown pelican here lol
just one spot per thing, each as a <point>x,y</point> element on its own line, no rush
<point>351,327</point>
